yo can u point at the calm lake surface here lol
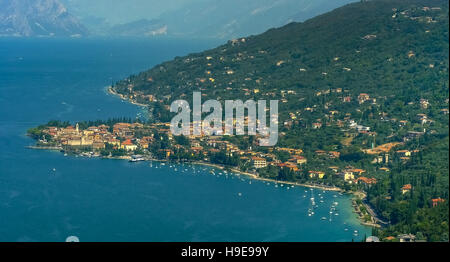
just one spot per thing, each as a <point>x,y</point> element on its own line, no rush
<point>114,200</point>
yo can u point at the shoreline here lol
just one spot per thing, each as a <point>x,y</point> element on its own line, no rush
<point>257,177</point>
<point>122,97</point>
<point>53,148</point>
<point>356,194</point>
<point>254,176</point>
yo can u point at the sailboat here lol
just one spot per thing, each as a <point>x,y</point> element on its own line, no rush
<point>312,198</point>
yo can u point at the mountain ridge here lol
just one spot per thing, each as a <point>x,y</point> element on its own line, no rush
<point>141,27</point>
<point>37,18</point>
<point>295,46</point>
<point>198,19</point>
<point>232,19</point>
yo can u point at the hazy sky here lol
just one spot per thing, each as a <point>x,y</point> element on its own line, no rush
<point>120,11</point>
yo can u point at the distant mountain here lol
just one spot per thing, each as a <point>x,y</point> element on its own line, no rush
<point>224,19</point>
<point>141,27</point>
<point>234,18</point>
<point>37,18</point>
<point>115,12</point>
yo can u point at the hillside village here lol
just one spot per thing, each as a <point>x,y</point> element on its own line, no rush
<point>137,141</point>
<point>126,139</point>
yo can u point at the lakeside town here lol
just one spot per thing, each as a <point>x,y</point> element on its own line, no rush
<point>368,117</point>
<point>137,141</point>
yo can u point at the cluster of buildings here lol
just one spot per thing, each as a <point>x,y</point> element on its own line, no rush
<point>72,136</point>
<point>122,136</point>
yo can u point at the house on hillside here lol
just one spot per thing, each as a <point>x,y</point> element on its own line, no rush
<point>259,162</point>
<point>406,188</point>
<point>128,145</point>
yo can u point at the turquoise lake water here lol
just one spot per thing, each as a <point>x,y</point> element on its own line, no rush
<point>114,200</point>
